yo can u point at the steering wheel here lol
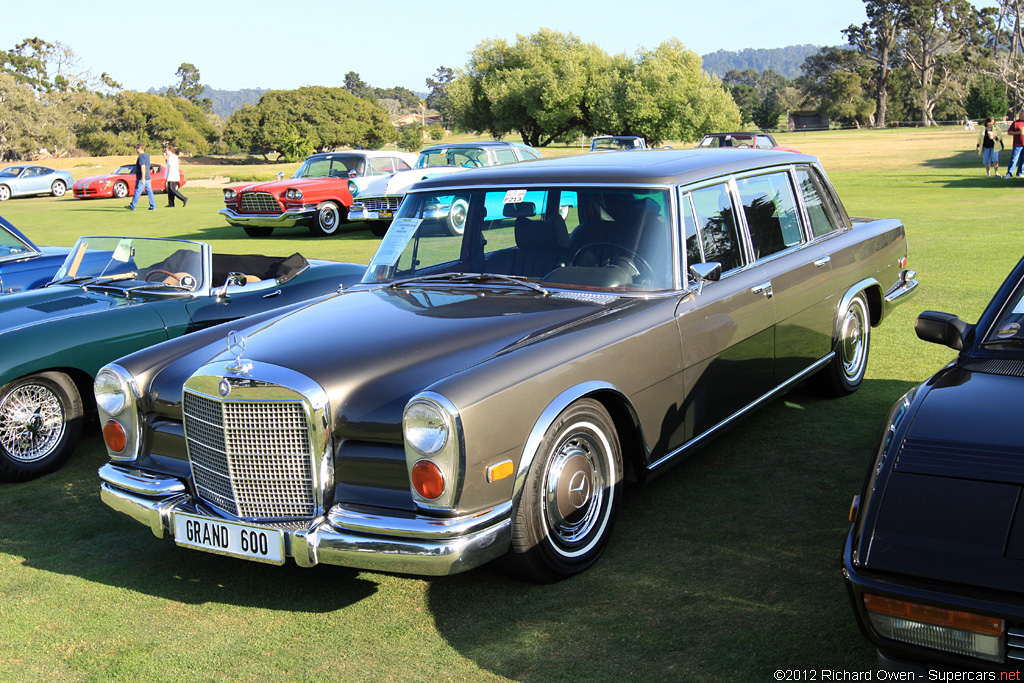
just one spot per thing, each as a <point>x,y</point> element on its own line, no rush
<point>638,258</point>
<point>177,280</point>
<point>472,163</point>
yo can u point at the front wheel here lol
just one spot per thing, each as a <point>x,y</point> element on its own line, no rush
<point>379,228</point>
<point>120,189</point>
<point>40,422</point>
<point>844,374</point>
<point>570,498</point>
<point>254,231</point>
<point>58,188</point>
<point>328,220</point>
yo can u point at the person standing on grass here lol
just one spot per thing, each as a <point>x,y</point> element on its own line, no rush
<point>142,179</point>
<point>1016,130</point>
<point>171,168</point>
<point>987,147</point>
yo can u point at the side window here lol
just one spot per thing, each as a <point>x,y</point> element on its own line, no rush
<point>505,156</point>
<point>818,210</point>
<point>715,221</point>
<point>770,209</point>
<point>380,166</point>
<point>400,165</point>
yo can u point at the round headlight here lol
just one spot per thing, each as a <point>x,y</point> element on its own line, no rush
<point>229,195</point>
<point>110,393</point>
<point>353,189</point>
<point>293,193</point>
<point>426,428</point>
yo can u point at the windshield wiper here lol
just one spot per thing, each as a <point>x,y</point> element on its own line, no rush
<point>468,277</point>
<point>71,280</point>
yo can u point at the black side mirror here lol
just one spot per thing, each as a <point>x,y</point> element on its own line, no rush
<point>942,328</point>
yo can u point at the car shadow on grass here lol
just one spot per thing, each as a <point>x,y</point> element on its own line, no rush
<point>58,524</point>
<point>725,568</point>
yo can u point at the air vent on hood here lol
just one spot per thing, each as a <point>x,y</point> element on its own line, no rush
<point>1011,368</point>
<point>61,304</point>
<point>962,460</point>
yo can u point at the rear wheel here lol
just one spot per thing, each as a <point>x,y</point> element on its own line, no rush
<point>5,193</point>
<point>58,188</point>
<point>844,374</point>
<point>570,498</point>
<point>254,231</point>
<point>40,422</point>
<point>328,220</point>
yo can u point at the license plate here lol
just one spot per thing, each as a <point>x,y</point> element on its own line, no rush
<point>386,213</point>
<point>229,538</point>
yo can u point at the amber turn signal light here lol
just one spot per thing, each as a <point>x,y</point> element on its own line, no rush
<point>427,479</point>
<point>114,436</point>
<point>930,614</point>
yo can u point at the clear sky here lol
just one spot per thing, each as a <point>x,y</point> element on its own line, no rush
<point>290,43</point>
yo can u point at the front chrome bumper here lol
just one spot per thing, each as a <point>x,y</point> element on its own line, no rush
<point>288,219</point>
<point>395,542</point>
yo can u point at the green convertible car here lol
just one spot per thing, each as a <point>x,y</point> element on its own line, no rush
<point>96,309</point>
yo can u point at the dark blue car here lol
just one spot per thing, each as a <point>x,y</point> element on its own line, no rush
<point>23,265</point>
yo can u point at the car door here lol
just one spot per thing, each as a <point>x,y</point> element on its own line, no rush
<point>33,181</point>
<point>727,328</point>
<point>799,273</point>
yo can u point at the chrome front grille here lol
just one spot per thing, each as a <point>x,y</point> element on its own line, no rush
<point>251,458</point>
<point>259,202</point>
<point>1014,642</point>
<point>381,203</point>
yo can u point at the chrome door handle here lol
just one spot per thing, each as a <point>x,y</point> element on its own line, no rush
<point>763,288</point>
<point>822,262</point>
<point>276,292</point>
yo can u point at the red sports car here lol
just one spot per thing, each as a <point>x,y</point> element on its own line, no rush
<point>121,183</point>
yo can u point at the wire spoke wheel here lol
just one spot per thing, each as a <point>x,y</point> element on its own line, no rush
<point>31,422</point>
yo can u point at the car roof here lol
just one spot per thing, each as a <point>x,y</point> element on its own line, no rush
<point>481,143</point>
<point>636,167</point>
<point>357,152</point>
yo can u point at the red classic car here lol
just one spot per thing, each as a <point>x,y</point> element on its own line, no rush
<point>121,183</point>
<point>317,196</point>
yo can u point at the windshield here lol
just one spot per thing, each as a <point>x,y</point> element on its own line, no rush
<point>592,238</point>
<point>615,143</point>
<point>11,245</point>
<point>134,262</point>
<point>126,170</point>
<point>331,167</point>
<point>470,157</point>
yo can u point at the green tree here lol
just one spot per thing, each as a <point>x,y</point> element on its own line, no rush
<point>189,87</point>
<point>411,139</point>
<point>833,82</point>
<point>357,86</point>
<point>327,117</point>
<point>664,94</point>
<point>438,99</point>
<point>116,124</point>
<point>543,86</point>
<point>877,41</point>
<point>767,112</point>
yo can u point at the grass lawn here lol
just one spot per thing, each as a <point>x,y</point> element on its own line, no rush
<point>724,569</point>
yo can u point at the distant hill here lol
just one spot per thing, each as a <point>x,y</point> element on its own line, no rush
<point>225,102</point>
<point>785,61</point>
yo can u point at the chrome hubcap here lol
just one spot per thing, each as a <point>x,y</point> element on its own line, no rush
<point>575,490</point>
<point>854,348</point>
<point>31,422</point>
<point>328,218</point>
<point>458,217</point>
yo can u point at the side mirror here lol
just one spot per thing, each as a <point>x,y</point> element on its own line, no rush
<point>942,328</point>
<point>706,272</point>
<point>233,279</point>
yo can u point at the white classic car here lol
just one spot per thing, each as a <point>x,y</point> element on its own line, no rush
<point>376,200</point>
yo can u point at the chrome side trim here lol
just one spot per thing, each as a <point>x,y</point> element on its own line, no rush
<point>750,407</point>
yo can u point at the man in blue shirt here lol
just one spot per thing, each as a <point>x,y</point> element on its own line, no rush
<point>142,179</point>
